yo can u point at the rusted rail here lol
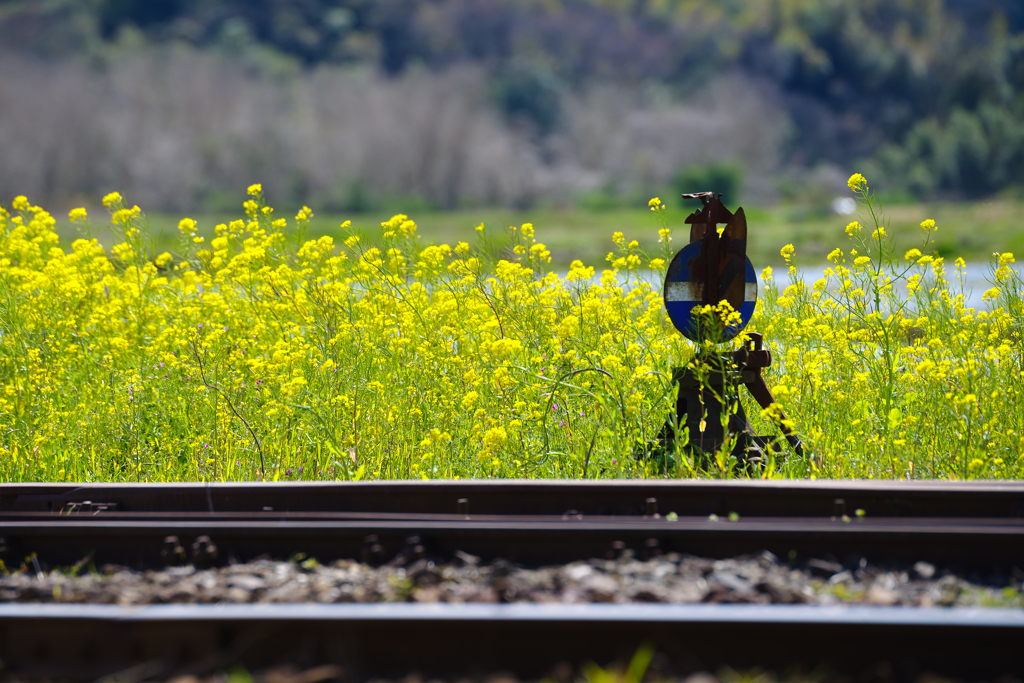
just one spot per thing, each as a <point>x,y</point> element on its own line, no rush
<point>88,642</point>
<point>964,525</point>
<point>544,497</point>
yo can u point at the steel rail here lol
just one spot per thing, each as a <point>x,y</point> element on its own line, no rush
<point>965,525</point>
<point>544,497</point>
<point>81,642</point>
<point>960,526</point>
<point>326,516</point>
<point>971,544</point>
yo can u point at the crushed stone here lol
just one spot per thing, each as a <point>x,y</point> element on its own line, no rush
<point>669,578</point>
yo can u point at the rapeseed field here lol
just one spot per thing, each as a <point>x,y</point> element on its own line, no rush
<point>262,355</point>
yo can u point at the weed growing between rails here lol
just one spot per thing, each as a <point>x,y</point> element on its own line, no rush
<point>260,354</point>
<point>887,372</point>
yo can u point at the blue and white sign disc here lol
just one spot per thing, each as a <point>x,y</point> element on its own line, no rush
<point>683,295</point>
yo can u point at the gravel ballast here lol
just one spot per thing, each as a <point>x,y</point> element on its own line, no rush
<point>669,578</point>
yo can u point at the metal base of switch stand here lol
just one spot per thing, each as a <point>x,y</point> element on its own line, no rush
<point>708,394</point>
<point>702,401</point>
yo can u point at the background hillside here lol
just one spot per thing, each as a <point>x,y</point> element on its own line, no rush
<point>351,104</point>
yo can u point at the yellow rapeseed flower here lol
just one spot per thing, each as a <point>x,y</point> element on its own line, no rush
<point>787,252</point>
<point>612,363</point>
<point>77,214</point>
<point>254,189</point>
<point>493,438</point>
<point>857,183</point>
<point>475,346</point>
<point>123,216</point>
<point>579,272</point>
<point>503,348</point>
<point>540,253</point>
<point>112,199</point>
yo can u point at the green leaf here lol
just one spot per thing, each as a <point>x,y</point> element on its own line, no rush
<point>638,665</point>
<point>895,419</point>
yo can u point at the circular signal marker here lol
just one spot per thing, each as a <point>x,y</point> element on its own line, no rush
<point>684,294</point>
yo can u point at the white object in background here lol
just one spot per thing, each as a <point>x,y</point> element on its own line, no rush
<point>844,206</point>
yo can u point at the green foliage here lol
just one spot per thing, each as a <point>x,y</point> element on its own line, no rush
<point>971,154</point>
<point>527,91</point>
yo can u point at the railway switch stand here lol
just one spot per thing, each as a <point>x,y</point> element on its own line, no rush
<point>713,270</point>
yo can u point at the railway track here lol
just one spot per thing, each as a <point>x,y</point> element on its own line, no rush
<point>967,528</point>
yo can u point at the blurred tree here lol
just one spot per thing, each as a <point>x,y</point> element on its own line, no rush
<point>114,14</point>
<point>720,178</point>
<point>928,88</point>
<point>528,92</point>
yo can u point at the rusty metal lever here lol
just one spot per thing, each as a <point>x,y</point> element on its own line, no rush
<point>752,359</point>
